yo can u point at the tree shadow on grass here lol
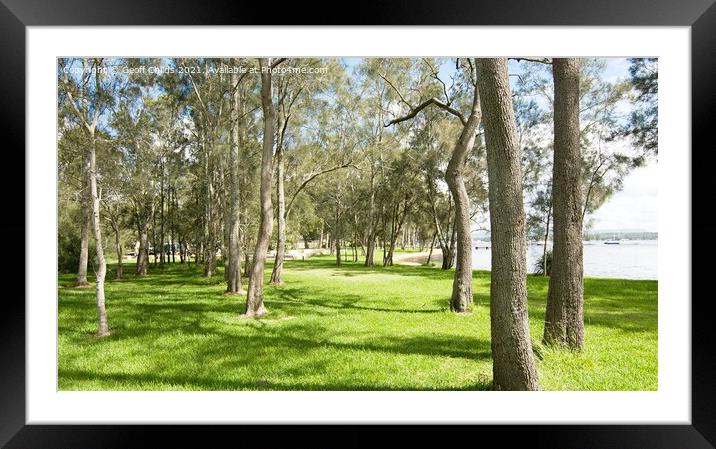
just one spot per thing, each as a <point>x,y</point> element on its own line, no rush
<point>140,381</point>
<point>302,353</point>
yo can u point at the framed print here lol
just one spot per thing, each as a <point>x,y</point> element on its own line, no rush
<point>447,216</point>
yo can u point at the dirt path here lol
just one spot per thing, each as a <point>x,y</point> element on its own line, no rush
<point>412,258</point>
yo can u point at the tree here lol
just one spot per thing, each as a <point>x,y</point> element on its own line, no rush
<point>288,93</point>
<point>84,245</point>
<point>462,282</point>
<point>564,318</point>
<point>238,112</point>
<point>513,360</point>
<point>643,124</point>
<point>254,299</point>
<point>89,105</point>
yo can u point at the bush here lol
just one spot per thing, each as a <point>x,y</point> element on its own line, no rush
<point>68,242</point>
<point>539,264</point>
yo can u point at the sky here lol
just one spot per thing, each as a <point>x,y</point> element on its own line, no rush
<point>635,207</point>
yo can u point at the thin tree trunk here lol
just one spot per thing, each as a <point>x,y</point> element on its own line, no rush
<point>546,236</point>
<point>564,319</point>
<point>372,228</point>
<point>84,242</point>
<point>172,217</point>
<point>143,255</point>
<point>161,214</point>
<point>102,326</point>
<point>513,360</point>
<point>118,246</point>
<point>154,232</point>
<point>462,282</point>
<point>398,228</point>
<point>210,245</point>
<point>337,233</point>
<point>233,283</point>
<point>277,272</point>
<point>432,244</point>
<point>320,239</point>
<point>254,299</point>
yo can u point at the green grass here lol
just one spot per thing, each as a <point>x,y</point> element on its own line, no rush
<point>330,328</point>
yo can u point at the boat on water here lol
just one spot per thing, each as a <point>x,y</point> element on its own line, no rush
<point>612,242</point>
<point>479,244</point>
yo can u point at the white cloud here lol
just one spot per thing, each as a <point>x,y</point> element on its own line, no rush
<point>634,207</point>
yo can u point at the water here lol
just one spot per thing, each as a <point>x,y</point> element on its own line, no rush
<point>631,259</point>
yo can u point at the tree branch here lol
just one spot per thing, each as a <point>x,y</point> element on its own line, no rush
<point>425,104</point>
<point>311,178</point>
<point>541,61</point>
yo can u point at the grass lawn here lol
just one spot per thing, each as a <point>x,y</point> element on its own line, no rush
<point>329,328</point>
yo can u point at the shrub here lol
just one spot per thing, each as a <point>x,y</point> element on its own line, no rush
<point>539,264</point>
<point>68,242</point>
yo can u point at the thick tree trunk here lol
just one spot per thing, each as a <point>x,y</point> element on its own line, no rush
<point>370,251</point>
<point>233,282</point>
<point>254,299</point>
<point>277,272</point>
<point>462,282</point>
<point>84,242</point>
<point>564,319</point>
<point>102,326</point>
<point>513,360</point>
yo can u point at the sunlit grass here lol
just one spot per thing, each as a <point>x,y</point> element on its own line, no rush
<point>329,328</point>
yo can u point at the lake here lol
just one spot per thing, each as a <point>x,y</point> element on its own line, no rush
<point>630,259</point>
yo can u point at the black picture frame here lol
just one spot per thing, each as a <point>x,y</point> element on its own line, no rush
<point>700,15</point>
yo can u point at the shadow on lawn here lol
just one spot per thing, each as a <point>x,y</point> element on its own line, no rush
<point>194,330</point>
<point>210,338</point>
<point>210,383</point>
<point>286,353</point>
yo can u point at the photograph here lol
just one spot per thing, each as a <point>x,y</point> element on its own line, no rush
<point>357,223</point>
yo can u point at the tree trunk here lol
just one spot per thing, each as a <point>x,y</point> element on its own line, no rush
<point>102,326</point>
<point>161,215</point>
<point>432,244</point>
<point>372,226</point>
<point>143,255</point>
<point>513,360</point>
<point>118,246</point>
<point>172,217</point>
<point>254,299</point>
<point>337,232</point>
<point>564,319</point>
<point>544,249</point>
<point>276,274</point>
<point>370,251</point>
<point>84,242</point>
<point>462,282</point>
<point>210,245</point>
<point>233,282</point>
<point>397,230</point>
<point>320,239</point>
